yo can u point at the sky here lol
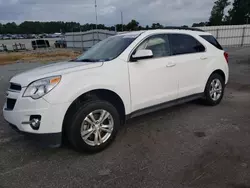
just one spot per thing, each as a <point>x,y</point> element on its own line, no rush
<point>166,12</point>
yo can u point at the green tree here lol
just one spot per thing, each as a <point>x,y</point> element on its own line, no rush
<point>120,27</point>
<point>217,13</point>
<point>201,24</point>
<point>240,13</point>
<point>1,28</point>
<point>141,27</point>
<point>157,26</point>
<point>9,28</point>
<point>36,27</point>
<point>132,25</point>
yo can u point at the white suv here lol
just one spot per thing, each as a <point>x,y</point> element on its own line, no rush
<point>87,99</point>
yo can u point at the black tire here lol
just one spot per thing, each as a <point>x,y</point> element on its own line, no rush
<point>208,99</point>
<point>73,129</point>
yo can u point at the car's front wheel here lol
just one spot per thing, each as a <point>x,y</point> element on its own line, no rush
<point>214,90</point>
<point>93,126</point>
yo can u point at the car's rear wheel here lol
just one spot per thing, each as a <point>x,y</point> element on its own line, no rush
<point>214,90</point>
<point>93,126</point>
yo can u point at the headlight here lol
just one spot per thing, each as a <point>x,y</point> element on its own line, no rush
<point>39,88</point>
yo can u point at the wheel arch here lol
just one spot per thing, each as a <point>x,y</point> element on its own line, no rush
<point>103,94</point>
<point>220,72</point>
<point>217,71</point>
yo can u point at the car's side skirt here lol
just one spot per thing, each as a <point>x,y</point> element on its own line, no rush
<point>164,105</point>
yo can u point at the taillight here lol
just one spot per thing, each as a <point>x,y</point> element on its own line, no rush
<point>226,56</point>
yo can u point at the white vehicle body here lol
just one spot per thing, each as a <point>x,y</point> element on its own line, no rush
<point>139,85</point>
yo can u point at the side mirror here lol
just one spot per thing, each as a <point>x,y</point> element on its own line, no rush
<point>142,54</point>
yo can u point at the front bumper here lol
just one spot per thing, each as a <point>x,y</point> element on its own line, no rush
<point>52,116</point>
<point>52,140</point>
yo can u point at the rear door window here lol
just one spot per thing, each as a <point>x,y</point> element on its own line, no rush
<point>212,40</point>
<point>184,44</point>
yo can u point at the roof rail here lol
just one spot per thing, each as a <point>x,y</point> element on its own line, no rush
<point>183,28</point>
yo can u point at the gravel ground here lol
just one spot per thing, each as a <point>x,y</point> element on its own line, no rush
<point>184,146</point>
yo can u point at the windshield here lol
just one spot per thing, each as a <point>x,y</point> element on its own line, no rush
<point>107,49</point>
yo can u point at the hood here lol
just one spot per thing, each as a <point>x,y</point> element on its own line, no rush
<point>54,69</point>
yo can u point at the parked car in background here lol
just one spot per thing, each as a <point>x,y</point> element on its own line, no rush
<point>6,37</point>
<point>19,36</point>
<point>44,35</point>
<point>87,99</point>
<point>34,36</point>
<point>40,44</point>
<point>14,37</point>
<point>60,44</point>
<point>25,36</point>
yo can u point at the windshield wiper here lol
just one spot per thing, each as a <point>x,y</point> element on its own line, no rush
<point>87,60</point>
<point>83,60</point>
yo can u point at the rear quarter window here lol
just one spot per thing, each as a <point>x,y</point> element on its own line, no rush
<point>212,40</point>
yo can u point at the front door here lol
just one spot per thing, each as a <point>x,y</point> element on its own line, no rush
<point>153,81</point>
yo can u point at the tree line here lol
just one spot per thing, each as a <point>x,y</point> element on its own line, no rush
<point>30,27</point>
<point>239,13</point>
<point>226,13</point>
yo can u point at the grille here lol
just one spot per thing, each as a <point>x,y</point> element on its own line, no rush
<point>16,87</point>
<point>11,104</point>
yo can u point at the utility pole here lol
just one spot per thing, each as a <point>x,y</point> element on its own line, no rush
<point>122,19</point>
<point>96,21</point>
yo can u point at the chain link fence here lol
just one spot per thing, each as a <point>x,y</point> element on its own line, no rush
<point>230,36</point>
<point>85,40</point>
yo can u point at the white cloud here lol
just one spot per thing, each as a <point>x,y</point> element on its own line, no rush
<point>167,12</point>
<point>13,2</point>
<point>107,10</point>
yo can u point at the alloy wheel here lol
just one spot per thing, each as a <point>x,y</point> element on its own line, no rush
<point>97,127</point>
<point>215,89</point>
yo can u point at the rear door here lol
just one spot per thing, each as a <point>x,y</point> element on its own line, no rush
<point>190,58</point>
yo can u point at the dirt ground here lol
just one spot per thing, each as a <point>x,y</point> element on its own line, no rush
<point>187,146</point>
<point>50,55</point>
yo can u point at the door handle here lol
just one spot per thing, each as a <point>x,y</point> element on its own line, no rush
<point>170,64</point>
<point>203,58</point>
